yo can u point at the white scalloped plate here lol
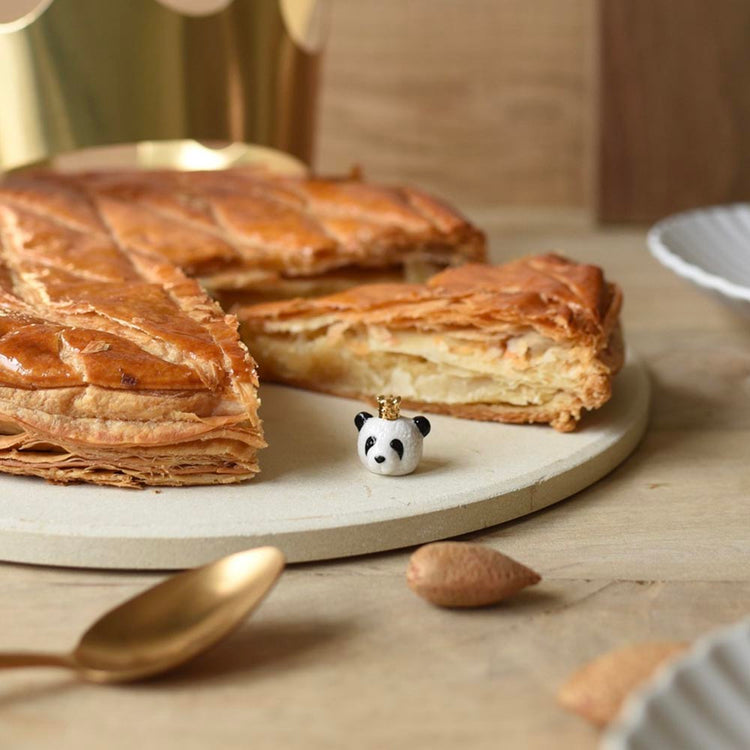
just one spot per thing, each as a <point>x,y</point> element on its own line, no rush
<point>711,248</point>
<point>701,702</point>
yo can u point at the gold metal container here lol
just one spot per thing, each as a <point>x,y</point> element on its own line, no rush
<point>82,73</point>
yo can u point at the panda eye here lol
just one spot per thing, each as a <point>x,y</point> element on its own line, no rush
<point>398,446</point>
<point>369,443</point>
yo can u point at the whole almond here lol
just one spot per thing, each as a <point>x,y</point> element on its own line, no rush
<point>459,574</point>
<point>598,690</point>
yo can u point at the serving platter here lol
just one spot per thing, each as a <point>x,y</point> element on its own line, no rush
<point>314,500</point>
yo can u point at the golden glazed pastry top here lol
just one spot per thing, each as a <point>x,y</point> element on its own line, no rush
<point>216,224</point>
<point>75,309</point>
<point>114,366</point>
<point>554,295</point>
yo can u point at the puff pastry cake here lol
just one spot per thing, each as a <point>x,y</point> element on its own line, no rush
<point>248,235</point>
<point>536,340</point>
<point>115,368</point>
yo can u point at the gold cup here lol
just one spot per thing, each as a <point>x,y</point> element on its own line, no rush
<point>82,73</point>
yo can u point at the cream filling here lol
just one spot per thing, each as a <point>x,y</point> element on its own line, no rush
<point>521,369</point>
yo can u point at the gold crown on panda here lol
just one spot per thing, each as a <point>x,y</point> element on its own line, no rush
<point>389,406</point>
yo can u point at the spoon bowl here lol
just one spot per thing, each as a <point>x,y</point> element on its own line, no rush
<point>169,623</point>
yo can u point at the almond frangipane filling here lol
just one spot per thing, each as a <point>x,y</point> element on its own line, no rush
<point>424,368</point>
<point>536,340</point>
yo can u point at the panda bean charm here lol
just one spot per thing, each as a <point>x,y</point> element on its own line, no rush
<point>390,444</point>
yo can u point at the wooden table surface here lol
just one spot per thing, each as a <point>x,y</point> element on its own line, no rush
<point>343,655</point>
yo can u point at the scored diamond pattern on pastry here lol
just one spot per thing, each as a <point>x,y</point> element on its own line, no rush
<point>115,366</point>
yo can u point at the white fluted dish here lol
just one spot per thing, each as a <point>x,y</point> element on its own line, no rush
<point>701,701</point>
<point>711,248</point>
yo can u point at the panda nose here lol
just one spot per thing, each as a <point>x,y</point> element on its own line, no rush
<point>380,459</point>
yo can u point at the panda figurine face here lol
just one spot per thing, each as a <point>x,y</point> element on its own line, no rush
<point>390,446</point>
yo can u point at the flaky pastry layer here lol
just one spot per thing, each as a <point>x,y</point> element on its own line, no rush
<point>245,232</point>
<point>115,368</point>
<point>536,340</point>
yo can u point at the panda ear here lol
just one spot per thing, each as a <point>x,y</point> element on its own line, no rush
<point>361,418</point>
<point>423,425</point>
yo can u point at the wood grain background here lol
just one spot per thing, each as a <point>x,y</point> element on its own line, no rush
<point>674,118</point>
<point>626,110</point>
<point>485,101</point>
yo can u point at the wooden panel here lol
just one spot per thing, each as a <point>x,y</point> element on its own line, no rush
<point>675,106</point>
<point>484,101</point>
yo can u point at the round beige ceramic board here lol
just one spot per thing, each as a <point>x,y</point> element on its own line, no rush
<point>314,500</point>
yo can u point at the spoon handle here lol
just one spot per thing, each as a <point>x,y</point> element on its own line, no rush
<point>13,659</point>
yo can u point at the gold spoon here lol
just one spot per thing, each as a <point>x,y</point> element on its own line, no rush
<point>169,623</point>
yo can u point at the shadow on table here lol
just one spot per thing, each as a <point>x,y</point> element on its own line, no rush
<point>300,438</point>
<point>254,650</point>
<point>677,416</point>
<point>257,648</point>
<point>47,687</point>
<point>680,413</point>
<point>678,406</point>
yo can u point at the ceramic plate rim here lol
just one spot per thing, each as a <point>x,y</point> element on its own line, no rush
<point>393,519</point>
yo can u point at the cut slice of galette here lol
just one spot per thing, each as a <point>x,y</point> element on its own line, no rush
<point>534,340</point>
